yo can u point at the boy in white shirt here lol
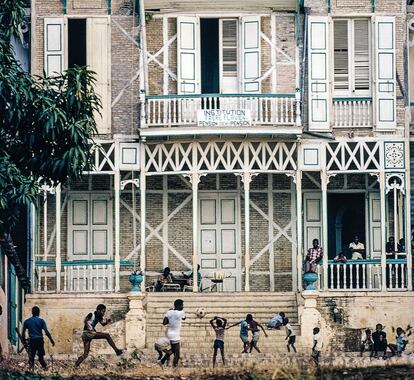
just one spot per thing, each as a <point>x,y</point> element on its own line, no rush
<point>317,345</point>
<point>173,319</point>
<point>357,249</point>
<point>290,335</point>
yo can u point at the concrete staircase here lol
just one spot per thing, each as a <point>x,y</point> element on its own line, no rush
<point>197,336</point>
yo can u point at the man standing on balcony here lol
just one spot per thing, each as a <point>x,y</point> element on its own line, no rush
<point>357,249</point>
<point>35,326</point>
<point>313,257</point>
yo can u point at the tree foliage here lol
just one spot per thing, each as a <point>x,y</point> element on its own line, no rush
<point>46,124</point>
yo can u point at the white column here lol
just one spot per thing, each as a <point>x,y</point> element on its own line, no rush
<point>408,217</point>
<point>45,225</point>
<point>324,243</point>
<point>383,231</point>
<point>271,232</point>
<point>246,183</point>
<point>58,193</point>
<point>195,178</point>
<point>299,235</point>
<point>164,218</point>
<point>142,261</point>
<point>117,261</point>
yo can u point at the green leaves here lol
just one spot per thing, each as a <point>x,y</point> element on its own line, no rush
<point>46,124</point>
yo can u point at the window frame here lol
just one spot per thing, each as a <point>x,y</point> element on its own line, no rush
<point>352,92</point>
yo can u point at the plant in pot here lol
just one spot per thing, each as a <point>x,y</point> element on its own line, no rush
<point>135,278</point>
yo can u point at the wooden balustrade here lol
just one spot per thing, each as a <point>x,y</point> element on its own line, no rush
<point>352,112</point>
<point>181,110</point>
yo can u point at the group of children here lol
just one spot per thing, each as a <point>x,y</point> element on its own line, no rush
<point>376,342</point>
<point>170,344</point>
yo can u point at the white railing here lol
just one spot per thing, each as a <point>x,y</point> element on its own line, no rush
<point>352,112</point>
<point>363,275</point>
<point>181,110</point>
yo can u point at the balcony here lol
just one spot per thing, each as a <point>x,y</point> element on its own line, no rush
<point>240,114</point>
<point>352,112</point>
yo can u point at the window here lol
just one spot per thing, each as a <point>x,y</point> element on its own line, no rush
<point>352,57</point>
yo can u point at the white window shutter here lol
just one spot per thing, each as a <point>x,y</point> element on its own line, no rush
<point>251,54</point>
<point>385,99</point>
<point>53,46</point>
<point>188,55</point>
<point>318,58</point>
<point>98,60</point>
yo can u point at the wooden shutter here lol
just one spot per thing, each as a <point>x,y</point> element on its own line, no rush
<point>188,55</point>
<point>361,55</point>
<point>98,53</point>
<point>229,56</point>
<point>318,58</point>
<point>312,227</point>
<point>251,54</point>
<point>53,46</point>
<point>374,247</point>
<point>385,72</point>
<point>341,56</point>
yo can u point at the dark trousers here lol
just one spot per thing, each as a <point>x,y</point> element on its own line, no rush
<point>175,348</point>
<point>37,347</point>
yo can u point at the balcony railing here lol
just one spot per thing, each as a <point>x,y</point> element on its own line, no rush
<point>83,276</point>
<point>352,112</point>
<point>364,275</point>
<point>182,110</point>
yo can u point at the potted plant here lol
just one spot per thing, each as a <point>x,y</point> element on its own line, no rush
<point>135,279</point>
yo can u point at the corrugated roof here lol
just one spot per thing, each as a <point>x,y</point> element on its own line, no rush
<point>217,5</point>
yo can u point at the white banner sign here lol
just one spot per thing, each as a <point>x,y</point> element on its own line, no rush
<point>224,118</point>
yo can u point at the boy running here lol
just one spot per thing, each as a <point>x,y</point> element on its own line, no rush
<point>244,333</point>
<point>317,345</point>
<point>290,335</point>
<point>254,328</point>
<point>219,328</point>
<point>173,319</point>
<point>163,347</point>
<point>90,333</point>
<point>35,326</point>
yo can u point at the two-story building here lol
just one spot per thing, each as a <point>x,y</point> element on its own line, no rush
<point>231,136</point>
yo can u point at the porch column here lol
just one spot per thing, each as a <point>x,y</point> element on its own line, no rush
<point>299,235</point>
<point>58,236</point>
<point>408,218</point>
<point>324,243</point>
<point>142,198</point>
<point>195,179</point>
<point>383,231</point>
<point>247,177</point>
<point>117,258</point>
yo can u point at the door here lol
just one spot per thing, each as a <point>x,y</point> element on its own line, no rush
<point>219,238</point>
<point>312,218</point>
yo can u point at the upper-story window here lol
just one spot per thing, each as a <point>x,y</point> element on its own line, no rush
<point>219,55</point>
<point>351,57</point>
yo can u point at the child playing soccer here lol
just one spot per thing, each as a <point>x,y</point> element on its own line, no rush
<point>219,327</point>
<point>290,335</point>
<point>244,332</point>
<point>163,347</point>
<point>254,328</point>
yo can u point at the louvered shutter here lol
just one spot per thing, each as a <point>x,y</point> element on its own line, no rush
<point>188,55</point>
<point>341,56</point>
<point>98,53</point>
<point>318,59</point>
<point>385,72</point>
<point>251,55</point>
<point>229,56</point>
<point>53,46</point>
<point>361,56</point>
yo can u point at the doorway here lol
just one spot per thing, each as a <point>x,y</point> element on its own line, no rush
<point>346,218</point>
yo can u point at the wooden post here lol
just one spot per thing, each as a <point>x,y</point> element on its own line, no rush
<point>299,235</point>
<point>117,258</point>
<point>271,232</point>
<point>195,178</point>
<point>58,193</point>
<point>324,243</point>
<point>142,187</point>
<point>246,184</point>
<point>383,231</point>
<point>407,207</point>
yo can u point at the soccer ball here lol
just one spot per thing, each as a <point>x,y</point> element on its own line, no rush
<point>200,312</point>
